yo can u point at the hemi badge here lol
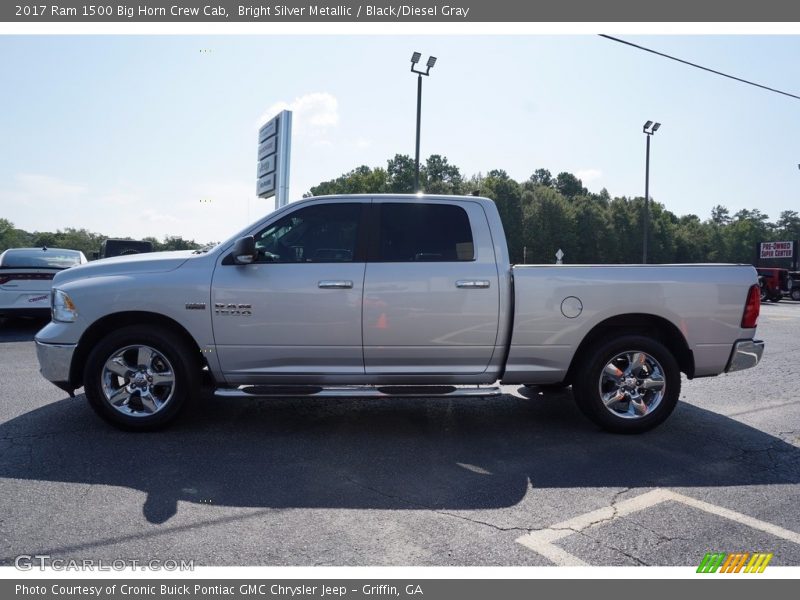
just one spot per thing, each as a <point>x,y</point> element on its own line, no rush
<point>195,306</point>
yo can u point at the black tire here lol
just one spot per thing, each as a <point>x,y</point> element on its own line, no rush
<point>171,358</point>
<point>796,293</point>
<point>590,380</point>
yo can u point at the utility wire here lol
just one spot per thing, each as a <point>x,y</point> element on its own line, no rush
<point>696,66</point>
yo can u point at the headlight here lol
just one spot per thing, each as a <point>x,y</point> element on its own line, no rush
<point>62,307</point>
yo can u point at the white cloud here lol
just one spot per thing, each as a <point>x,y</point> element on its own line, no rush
<point>31,187</point>
<point>589,175</point>
<point>312,114</point>
<point>148,215</point>
<point>207,211</point>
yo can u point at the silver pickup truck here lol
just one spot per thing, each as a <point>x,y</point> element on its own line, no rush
<point>390,295</point>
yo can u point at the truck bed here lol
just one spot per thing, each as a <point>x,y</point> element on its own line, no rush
<point>556,306</point>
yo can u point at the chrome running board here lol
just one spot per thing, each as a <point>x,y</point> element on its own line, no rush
<point>356,391</point>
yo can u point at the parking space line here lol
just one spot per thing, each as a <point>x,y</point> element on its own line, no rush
<point>542,541</point>
<point>751,522</point>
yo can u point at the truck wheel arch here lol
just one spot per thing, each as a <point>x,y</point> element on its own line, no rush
<point>645,325</point>
<point>100,328</point>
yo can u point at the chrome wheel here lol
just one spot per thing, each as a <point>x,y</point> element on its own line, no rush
<point>632,384</point>
<point>138,381</point>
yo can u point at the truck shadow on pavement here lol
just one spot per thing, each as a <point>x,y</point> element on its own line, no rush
<point>393,454</point>
<point>19,330</point>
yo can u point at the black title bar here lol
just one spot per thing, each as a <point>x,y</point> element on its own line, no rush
<point>421,11</point>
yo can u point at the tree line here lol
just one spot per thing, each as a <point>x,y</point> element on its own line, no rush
<point>76,239</point>
<point>546,212</point>
<point>540,215</point>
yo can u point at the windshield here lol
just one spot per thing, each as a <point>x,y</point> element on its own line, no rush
<point>207,248</point>
<point>52,258</point>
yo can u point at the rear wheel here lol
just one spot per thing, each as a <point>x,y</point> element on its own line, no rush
<point>140,377</point>
<point>796,293</point>
<point>628,384</point>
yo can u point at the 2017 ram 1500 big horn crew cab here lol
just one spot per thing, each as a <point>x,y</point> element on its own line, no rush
<point>383,292</point>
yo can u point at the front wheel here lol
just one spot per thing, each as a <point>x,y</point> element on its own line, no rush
<point>796,293</point>
<point>139,377</point>
<point>628,384</point>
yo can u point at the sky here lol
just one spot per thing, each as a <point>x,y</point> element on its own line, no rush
<point>147,135</point>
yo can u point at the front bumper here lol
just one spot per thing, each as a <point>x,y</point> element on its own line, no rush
<point>55,361</point>
<point>745,354</point>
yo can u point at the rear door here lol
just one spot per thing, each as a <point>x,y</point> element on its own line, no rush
<point>431,289</point>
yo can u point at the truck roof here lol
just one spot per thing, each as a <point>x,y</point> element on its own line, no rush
<point>419,196</point>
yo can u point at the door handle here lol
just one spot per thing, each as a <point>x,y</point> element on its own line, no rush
<point>472,284</point>
<point>335,284</point>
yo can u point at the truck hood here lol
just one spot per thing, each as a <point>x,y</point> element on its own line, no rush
<point>150,262</point>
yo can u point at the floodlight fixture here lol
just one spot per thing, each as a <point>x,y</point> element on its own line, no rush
<point>415,58</point>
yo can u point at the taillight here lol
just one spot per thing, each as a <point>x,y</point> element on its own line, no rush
<point>24,277</point>
<point>752,308</point>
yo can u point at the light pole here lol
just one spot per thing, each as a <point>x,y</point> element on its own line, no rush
<point>429,65</point>
<point>649,129</point>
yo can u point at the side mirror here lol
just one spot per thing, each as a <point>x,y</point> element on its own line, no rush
<point>244,250</point>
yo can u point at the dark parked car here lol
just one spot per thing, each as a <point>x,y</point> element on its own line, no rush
<point>116,247</point>
<point>794,285</point>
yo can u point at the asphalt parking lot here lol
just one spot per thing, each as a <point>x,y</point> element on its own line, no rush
<point>522,479</point>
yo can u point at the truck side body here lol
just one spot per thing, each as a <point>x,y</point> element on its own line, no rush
<point>338,293</point>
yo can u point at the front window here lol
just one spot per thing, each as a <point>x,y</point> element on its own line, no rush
<point>320,233</point>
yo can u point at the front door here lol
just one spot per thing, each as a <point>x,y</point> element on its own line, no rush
<point>295,313</point>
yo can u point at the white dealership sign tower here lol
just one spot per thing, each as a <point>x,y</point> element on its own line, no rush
<point>274,152</point>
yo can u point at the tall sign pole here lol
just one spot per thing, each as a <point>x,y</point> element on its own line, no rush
<point>428,66</point>
<point>646,222</point>
<point>648,129</point>
<point>274,153</point>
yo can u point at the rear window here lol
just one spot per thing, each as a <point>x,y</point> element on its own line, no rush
<point>416,232</point>
<point>40,259</point>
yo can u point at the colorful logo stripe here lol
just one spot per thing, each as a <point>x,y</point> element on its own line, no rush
<point>734,563</point>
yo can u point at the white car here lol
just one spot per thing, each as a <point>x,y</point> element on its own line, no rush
<point>26,275</point>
